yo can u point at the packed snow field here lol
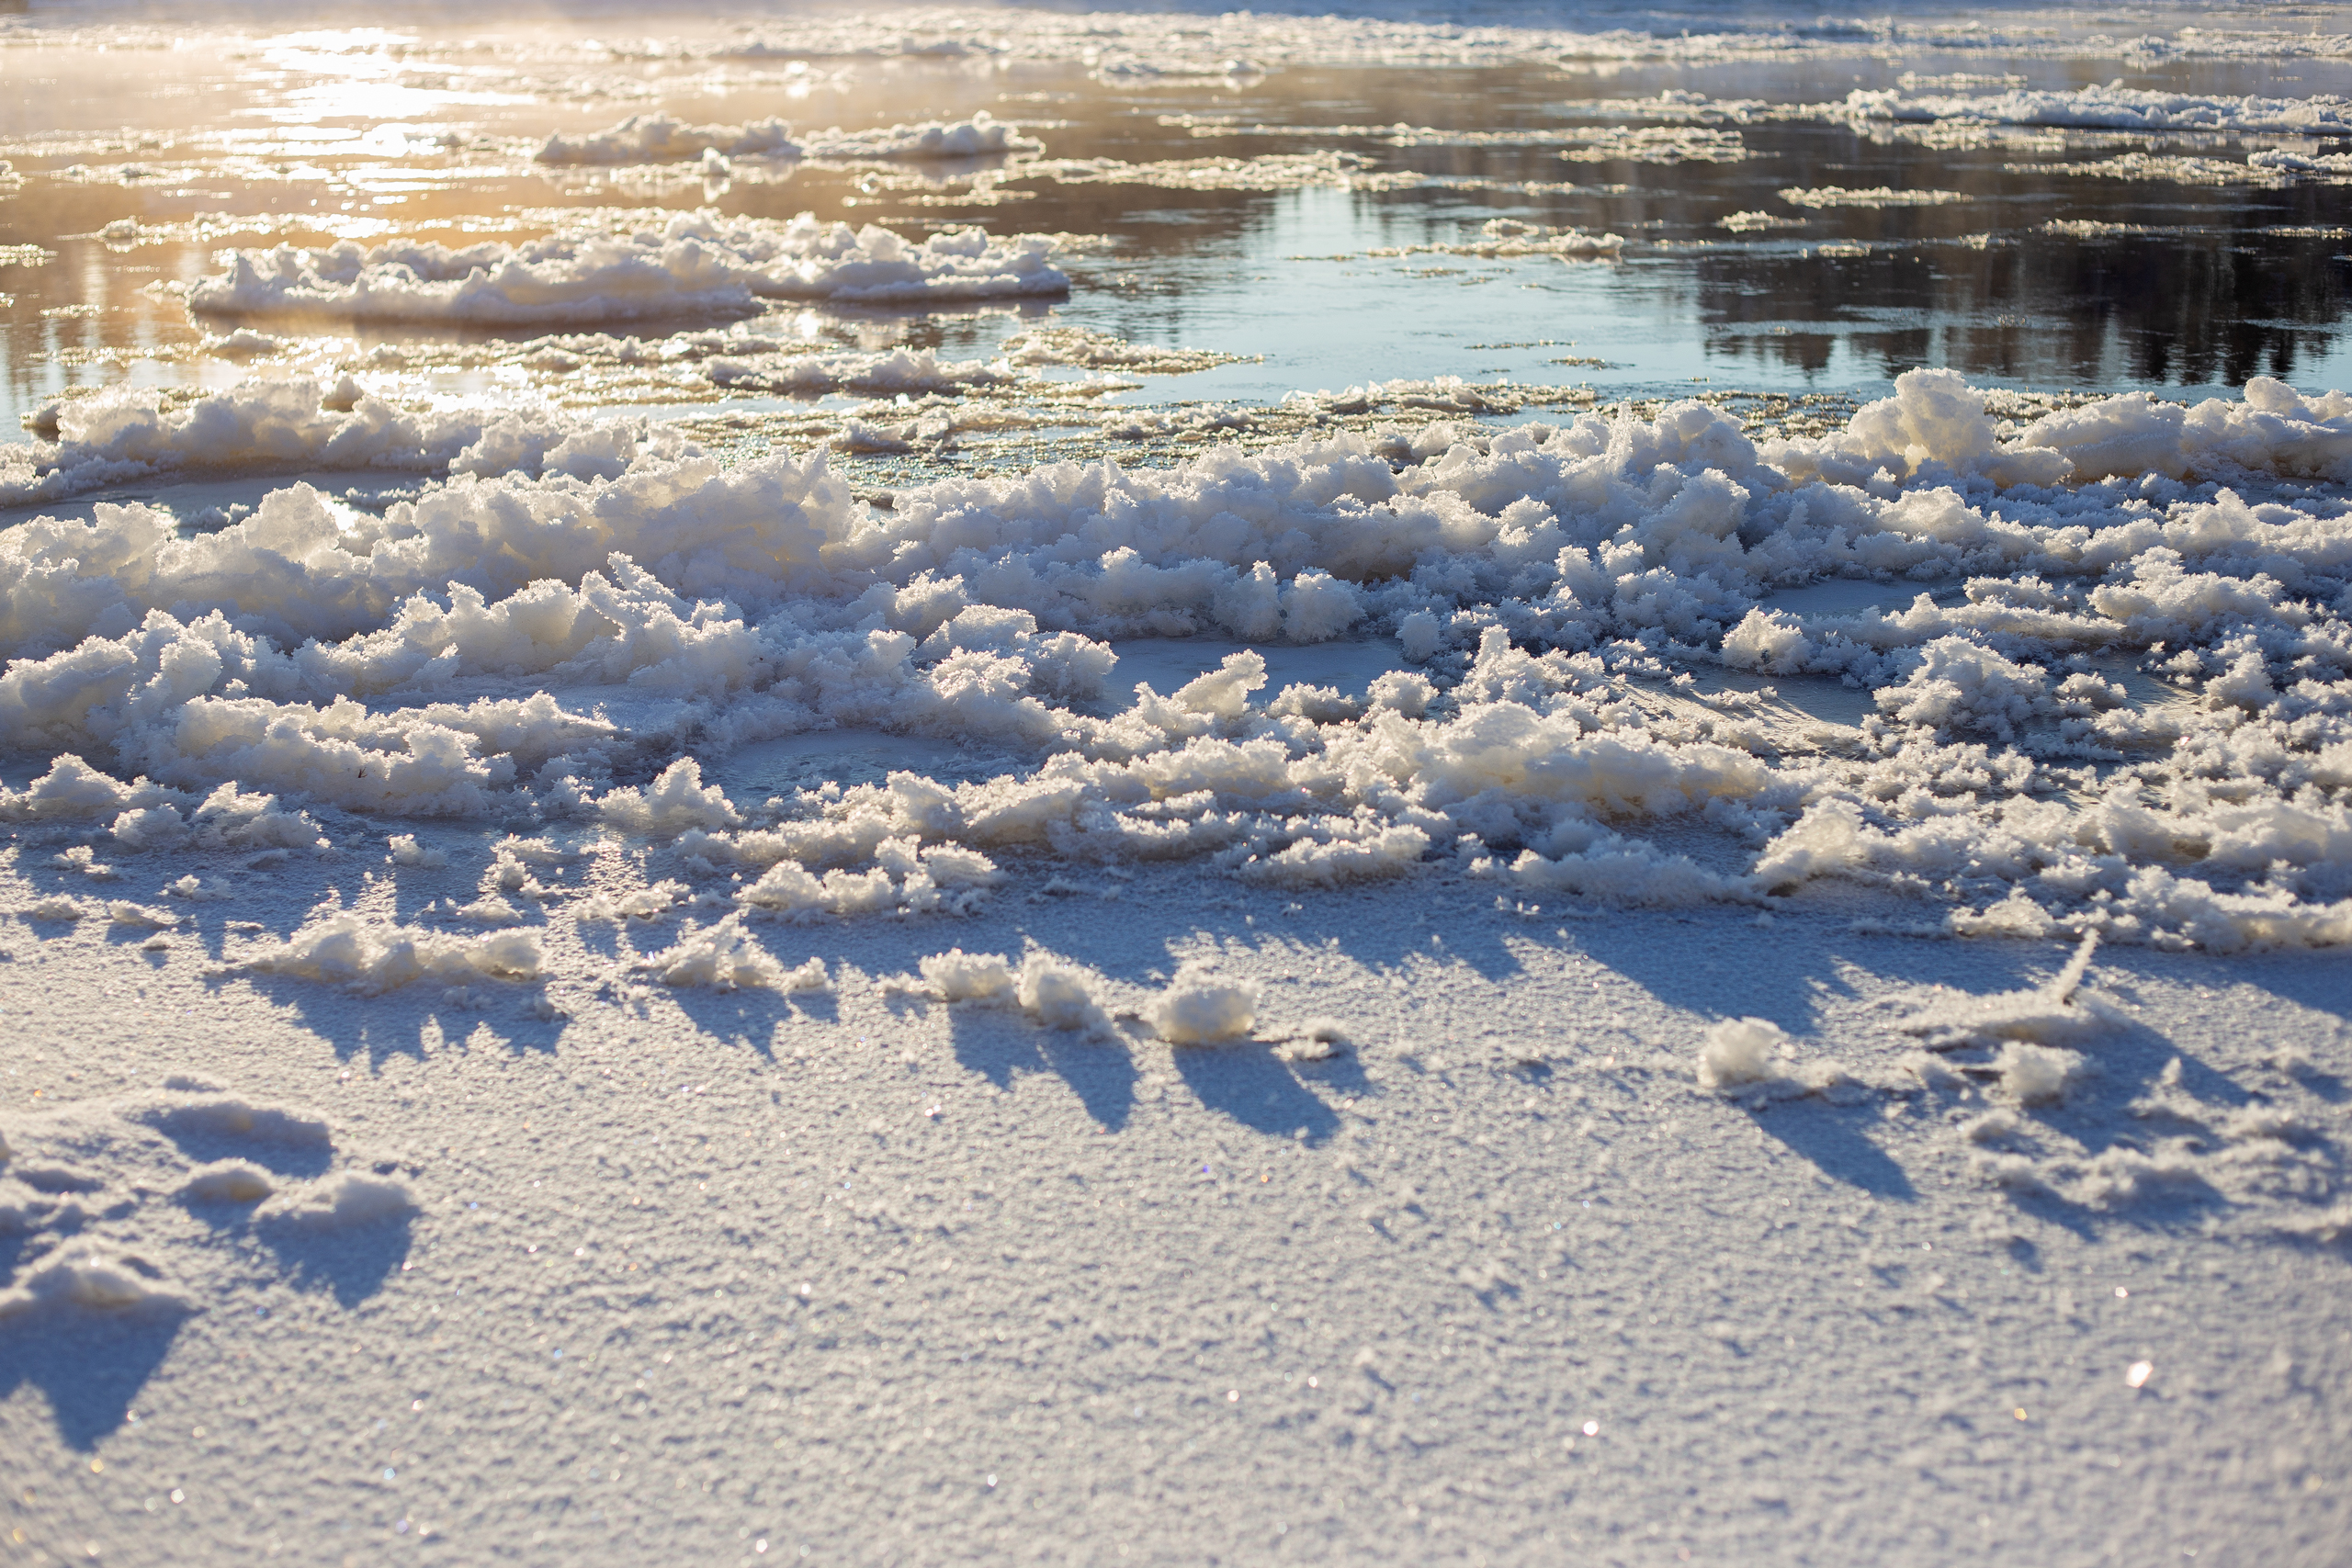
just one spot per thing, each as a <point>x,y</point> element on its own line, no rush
<point>690,879</point>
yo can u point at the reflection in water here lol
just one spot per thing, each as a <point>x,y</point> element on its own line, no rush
<point>2040,277</point>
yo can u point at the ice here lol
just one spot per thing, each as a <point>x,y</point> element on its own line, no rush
<point>1741,1051</point>
<point>372,957</point>
<point>723,955</point>
<point>2113,107</point>
<point>1198,1008</point>
<point>694,652</point>
<point>690,264</point>
<point>660,138</point>
<point>1061,995</point>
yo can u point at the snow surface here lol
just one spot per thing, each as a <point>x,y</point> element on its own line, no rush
<point>1454,981</point>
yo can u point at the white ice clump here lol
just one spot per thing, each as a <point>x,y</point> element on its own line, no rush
<point>956,975</point>
<point>373,956</point>
<point>2110,108</point>
<point>703,263</point>
<point>672,805</point>
<point>265,424</point>
<point>2036,1074</point>
<point>525,642</point>
<point>1197,1009</point>
<point>1061,995</point>
<point>406,851</point>
<point>1741,1051</point>
<point>663,139</point>
<point>724,957</point>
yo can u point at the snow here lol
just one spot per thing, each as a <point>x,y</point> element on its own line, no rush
<point>1437,968</point>
<point>689,264</point>
<point>659,138</point>
<point>370,957</point>
<point>2113,107</point>
<point>1198,1008</point>
<point>1520,567</point>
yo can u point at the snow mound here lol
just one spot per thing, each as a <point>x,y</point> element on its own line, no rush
<point>93,1281</point>
<point>956,975</point>
<point>1061,995</point>
<point>375,956</point>
<point>238,1121</point>
<point>344,1201</point>
<point>1199,1009</point>
<point>724,957</point>
<point>226,1181</point>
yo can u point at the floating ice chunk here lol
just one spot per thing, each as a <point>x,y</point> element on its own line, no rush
<point>372,957</point>
<point>665,138</point>
<point>244,343</point>
<point>344,1201</point>
<point>700,263</point>
<point>266,422</point>
<point>2111,107</point>
<point>1061,995</point>
<point>956,975</point>
<point>1198,1009</point>
<point>660,138</point>
<point>1876,196</point>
